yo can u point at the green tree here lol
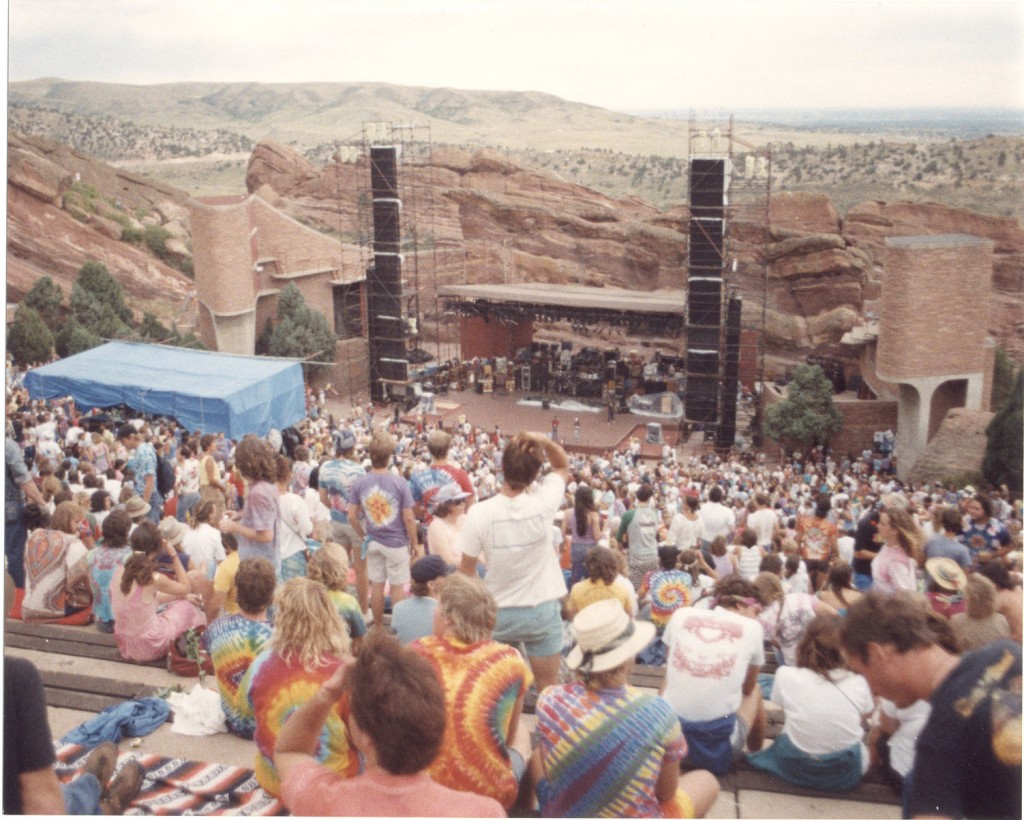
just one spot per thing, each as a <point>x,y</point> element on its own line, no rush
<point>1005,441</point>
<point>152,330</point>
<point>807,415</point>
<point>300,332</point>
<point>1004,374</point>
<point>72,338</point>
<point>97,302</point>
<point>46,298</point>
<point>29,340</point>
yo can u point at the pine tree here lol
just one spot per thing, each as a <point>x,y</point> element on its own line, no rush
<point>29,340</point>
<point>807,414</point>
<point>47,299</point>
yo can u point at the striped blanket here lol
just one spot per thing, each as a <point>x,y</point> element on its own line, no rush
<point>176,786</point>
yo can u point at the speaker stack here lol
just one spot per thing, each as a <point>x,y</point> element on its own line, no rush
<point>704,289</point>
<point>387,326</point>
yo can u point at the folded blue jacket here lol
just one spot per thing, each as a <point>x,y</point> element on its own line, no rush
<point>133,718</point>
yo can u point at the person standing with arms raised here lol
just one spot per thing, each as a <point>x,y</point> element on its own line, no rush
<point>511,531</point>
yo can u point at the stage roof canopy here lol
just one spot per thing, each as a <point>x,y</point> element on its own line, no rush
<point>575,297</point>
<point>212,392</point>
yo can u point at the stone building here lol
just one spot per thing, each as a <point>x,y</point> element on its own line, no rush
<point>930,348</point>
<point>246,252</point>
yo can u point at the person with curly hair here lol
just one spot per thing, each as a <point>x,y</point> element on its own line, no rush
<point>308,645</point>
<point>256,527</point>
<point>602,569</point>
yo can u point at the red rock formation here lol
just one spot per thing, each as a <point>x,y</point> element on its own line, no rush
<point>43,239</point>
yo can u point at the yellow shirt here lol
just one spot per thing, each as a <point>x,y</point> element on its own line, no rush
<point>587,592</point>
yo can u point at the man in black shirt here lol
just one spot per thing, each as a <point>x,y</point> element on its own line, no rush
<point>968,759</point>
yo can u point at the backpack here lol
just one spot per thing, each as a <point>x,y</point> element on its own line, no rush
<point>165,479</point>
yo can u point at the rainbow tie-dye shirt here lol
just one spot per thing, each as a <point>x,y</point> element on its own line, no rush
<point>275,688</point>
<point>234,641</point>
<point>603,751</point>
<point>482,683</point>
<point>669,589</point>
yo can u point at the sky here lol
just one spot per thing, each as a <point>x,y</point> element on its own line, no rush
<point>619,54</point>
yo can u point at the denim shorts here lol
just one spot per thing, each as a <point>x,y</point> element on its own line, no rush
<point>538,628</point>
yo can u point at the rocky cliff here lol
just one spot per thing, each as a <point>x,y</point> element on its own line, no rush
<point>65,209</point>
<point>488,219</point>
<point>509,223</point>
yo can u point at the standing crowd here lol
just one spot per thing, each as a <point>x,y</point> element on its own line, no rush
<point>382,601</point>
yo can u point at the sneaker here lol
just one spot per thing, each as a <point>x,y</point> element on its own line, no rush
<point>101,762</point>
<point>124,788</point>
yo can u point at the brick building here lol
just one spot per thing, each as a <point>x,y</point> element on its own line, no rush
<point>246,252</point>
<point>930,350</point>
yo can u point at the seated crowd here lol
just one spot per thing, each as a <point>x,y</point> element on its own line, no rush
<point>384,602</point>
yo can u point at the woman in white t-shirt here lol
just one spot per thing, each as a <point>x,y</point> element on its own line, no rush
<point>826,708</point>
<point>784,617</point>
<point>202,542</point>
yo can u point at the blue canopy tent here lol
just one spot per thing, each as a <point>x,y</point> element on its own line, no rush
<point>212,392</point>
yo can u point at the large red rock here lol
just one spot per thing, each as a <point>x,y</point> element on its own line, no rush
<point>807,213</point>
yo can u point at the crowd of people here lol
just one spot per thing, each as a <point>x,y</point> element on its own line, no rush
<point>382,600</point>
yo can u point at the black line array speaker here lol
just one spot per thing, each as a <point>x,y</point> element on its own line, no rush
<point>701,403</point>
<point>703,338</point>
<point>704,289</point>
<point>704,302</point>
<point>384,171</point>
<point>707,187</point>
<point>731,380</point>
<point>706,242</point>
<point>386,331</point>
<point>387,225</point>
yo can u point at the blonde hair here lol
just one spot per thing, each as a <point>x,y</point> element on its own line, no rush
<point>306,625</point>
<point>908,535</point>
<point>329,566</point>
<point>65,518</point>
<point>469,607</point>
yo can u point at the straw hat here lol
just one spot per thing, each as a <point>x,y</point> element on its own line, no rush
<point>946,573</point>
<point>172,530</point>
<point>606,637</point>
<point>136,507</point>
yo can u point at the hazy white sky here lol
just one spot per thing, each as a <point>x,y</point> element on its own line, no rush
<point>624,54</point>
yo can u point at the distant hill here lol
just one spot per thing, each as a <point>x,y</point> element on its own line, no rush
<point>199,136</point>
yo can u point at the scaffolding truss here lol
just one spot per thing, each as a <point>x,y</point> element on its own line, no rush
<point>728,245</point>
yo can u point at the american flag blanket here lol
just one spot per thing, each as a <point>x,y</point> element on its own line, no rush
<point>176,786</point>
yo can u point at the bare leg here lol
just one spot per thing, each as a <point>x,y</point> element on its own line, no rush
<point>377,604</point>
<point>362,580</point>
<point>752,713</point>
<point>702,788</point>
<point>545,670</point>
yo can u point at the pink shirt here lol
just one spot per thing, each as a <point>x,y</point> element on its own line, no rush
<point>892,569</point>
<point>311,790</point>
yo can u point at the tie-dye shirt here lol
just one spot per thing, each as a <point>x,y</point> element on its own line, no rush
<point>669,589</point>
<point>603,751</point>
<point>348,609</point>
<point>275,688</point>
<point>336,478</point>
<point>103,562</point>
<point>482,682</point>
<point>234,641</point>
<point>382,497</point>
